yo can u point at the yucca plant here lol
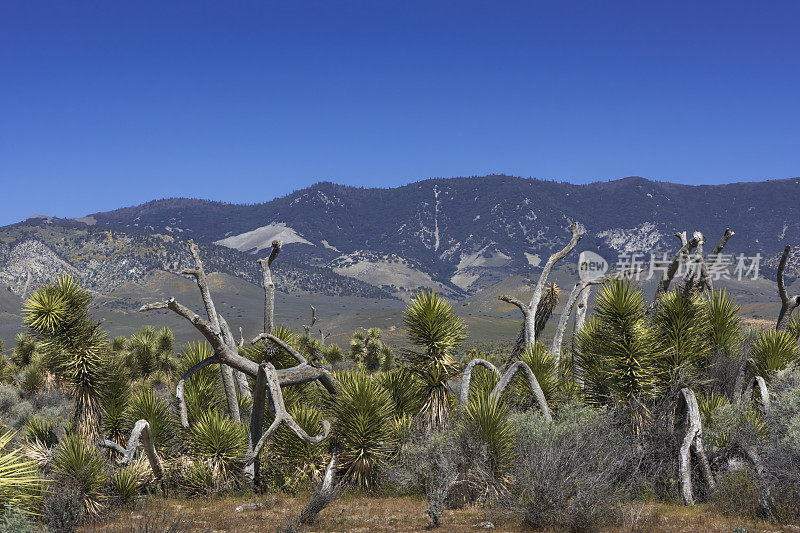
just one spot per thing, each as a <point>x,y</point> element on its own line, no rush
<point>145,404</point>
<point>114,424</point>
<point>404,390</point>
<point>617,352</point>
<point>32,380</point>
<point>546,307</point>
<point>266,352</point>
<point>150,350</point>
<point>20,484</point>
<point>202,392</point>
<point>305,461</point>
<point>80,464</point>
<point>363,416</point>
<point>75,346</point>
<point>773,351</point>
<point>723,321</point>
<point>41,429</point>
<point>682,323</point>
<point>543,365</point>
<point>24,350</point>
<point>794,326</point>
<point>7,369</point>
<point>433,326</point>
<point>709,402</point>
<point>124,485</point>
<point>487,417</point>
<point>198,479</point>
<point>219,442</point>
<point>368,350</point>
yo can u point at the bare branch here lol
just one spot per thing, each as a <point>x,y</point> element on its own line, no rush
<point>278,342</point>
<point>722,242</point>
<point>281,415</point>
<point>530,331</point>
<point>687,402</point>
<point>199,275</point>
<point>186,375</point>
<point>141,432</point>
<point>467,376</point>
<point>781,268</point>
<point>227,336</point>
<point>663,285</point>
<point>510,299</point>
<point>308,327</point>
<point>578,289</point>
<point>498,390</point>
<point>788,305</point>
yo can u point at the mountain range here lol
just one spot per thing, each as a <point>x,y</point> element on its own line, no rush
<point>457,235</point>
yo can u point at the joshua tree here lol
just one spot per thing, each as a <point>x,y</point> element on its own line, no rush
<point>367,350</point>
<point>75,346</point>
<point>433,326</point>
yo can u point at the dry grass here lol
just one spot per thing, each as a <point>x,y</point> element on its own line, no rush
<point>358,513</point>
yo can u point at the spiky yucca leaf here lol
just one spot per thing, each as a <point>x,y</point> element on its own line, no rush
<point>404,390</point>
<point>76,347</point>
<point>202,391</point>
<point>546,307</point>
<point>38,452</point>
<point>543,365</point>
<point>24,350</point>
<point>773,351</point>
<point>20,484</point>
<point>32,380</point>
<point>124,485</point>
<point>363,416</point>
<point>115,401</point>
<point>487,417</point>
<point>307,461</point>
<point>41,429</point>
<point>145,404</point>
<point>708,403</point>
<point>723,320</point>
<point>219,442</point>
<point>432,325</point>
<point>794,326</point>
<point>616,351</point>
<point>682,323</point>
<point>76,462</point>
<point>266,352</point>
<point>198,479</point>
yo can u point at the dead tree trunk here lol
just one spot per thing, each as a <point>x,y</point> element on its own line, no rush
<point>693,440</point>
<point>228,383</point>
<point>505,380</point>
<point>141,434</point>
<point>579,288</point>
<point>268,380</point>
<point>269,286</point>
<point>529,310</point>
<point>788,305</point>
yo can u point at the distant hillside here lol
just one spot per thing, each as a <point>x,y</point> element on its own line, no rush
<point>462,234</point>
<point>36,251</point>
<point>456,235</point>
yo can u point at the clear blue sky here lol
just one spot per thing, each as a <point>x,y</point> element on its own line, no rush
<point>112,103</point>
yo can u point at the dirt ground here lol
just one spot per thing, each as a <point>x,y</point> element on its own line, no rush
<point>358,513</point>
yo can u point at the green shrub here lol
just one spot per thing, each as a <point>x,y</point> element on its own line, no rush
<point>569,473</point>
